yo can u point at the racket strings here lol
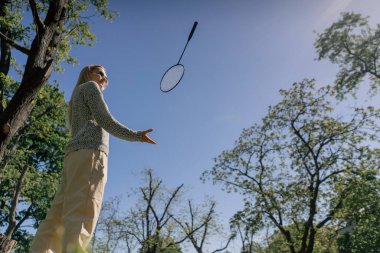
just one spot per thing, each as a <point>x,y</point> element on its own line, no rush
<point>172,77</point>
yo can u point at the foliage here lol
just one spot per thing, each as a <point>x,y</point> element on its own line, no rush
<point>38,148</point>
<point>199,223</point>
<point>24,240</point>
<point>362,208</point>
<point>354,46</point>
<point>150,221</point>
<point>75,32</point>
<point>145,228</point>
<point>289,167</point>
<point>275,243</point>
<point>44,31</point>
<point>158,222</point>
<point>167,245</point>
<point>31,153</point>
<point>245,228</point>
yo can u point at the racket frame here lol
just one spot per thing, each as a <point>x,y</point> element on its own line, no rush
<point>179,80</point>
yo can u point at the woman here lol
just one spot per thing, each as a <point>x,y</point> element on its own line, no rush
<point>71,220</point>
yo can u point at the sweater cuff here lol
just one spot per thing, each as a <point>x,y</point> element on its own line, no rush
<point>139,135</point>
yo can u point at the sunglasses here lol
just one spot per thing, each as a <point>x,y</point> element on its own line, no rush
<point>101,74</point>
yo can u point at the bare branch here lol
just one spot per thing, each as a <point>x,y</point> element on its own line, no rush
<point>169,202</point>
<point>188,233</point>
<point>207,220</point>
<point>225,247</point>
<point>149,201</point>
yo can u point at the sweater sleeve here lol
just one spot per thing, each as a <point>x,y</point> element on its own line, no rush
<point>93,97</point>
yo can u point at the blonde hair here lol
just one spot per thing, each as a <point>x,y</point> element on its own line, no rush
<point>84,77</point>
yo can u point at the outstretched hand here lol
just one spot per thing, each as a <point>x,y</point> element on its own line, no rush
<point>146,138</point>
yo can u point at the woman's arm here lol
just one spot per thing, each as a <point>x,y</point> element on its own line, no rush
<point>99,109</point>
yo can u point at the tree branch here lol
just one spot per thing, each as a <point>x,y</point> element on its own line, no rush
<point>26,216</point>
<point>225,247</point>
<point>188,234</point>
<point>366,69</point>
<point>37,20</point>
<point>24,128</point>
<point>207,220</point>
<point>14,44</point>
<point>332,174</point>
<point>331,214</point>
<point>169,202</point>
<point>284,231</point>
<point>149,200</point>
<point>16,196</point>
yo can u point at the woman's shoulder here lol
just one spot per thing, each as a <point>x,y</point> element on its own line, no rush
<point>90,86</point>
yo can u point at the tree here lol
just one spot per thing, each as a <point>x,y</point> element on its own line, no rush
<point>151,222</point>
<point>204,218</point>
<point>154,224</point>
<point>46,42</point>
<point>354,46</point>
<point>32,165</point>
<point>289,167</point>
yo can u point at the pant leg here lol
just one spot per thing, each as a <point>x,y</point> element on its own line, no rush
<point>48,238</point>
<point>86,178</point>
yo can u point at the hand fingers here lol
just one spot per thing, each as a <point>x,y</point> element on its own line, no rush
<point>147,139</point>
<point>148,131</point>
<point>150,140</point>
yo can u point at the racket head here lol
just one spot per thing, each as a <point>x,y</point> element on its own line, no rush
<point>172,77</point>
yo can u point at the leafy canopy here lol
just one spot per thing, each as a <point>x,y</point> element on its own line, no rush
<point>354,46</point>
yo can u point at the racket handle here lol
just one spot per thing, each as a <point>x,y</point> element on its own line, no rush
<point>192,31</point>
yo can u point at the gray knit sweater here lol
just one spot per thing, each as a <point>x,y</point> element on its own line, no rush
<point>92,122</point>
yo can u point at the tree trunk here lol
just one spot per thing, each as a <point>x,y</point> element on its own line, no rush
<point>37,71</point>
<point>6,244</point>
<point>22,103</point>
<point>310,247</point>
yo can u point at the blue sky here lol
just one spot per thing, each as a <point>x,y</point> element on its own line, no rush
<point>241,54</point>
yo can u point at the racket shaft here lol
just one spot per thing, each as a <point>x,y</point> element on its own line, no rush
<point>190,36</point>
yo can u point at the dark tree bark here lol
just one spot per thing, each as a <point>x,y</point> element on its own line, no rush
<point>37,71</point>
